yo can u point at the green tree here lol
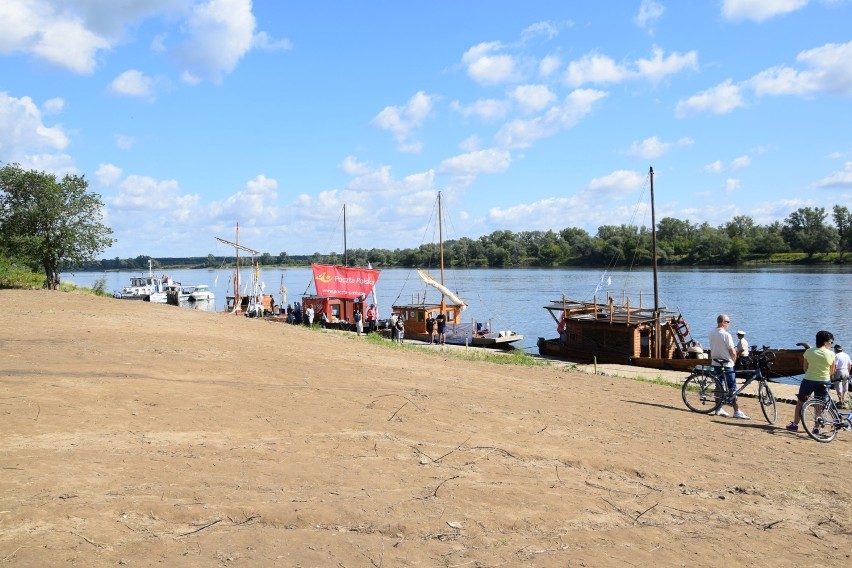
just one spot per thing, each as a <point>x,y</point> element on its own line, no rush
<point>768,239</point>
<point>843,224</point>
<point>805,230</point>
<point>48,222</point>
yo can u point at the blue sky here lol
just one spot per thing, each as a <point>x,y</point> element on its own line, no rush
<point>188,116</point>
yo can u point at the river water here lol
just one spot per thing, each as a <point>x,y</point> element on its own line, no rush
<point>776,306</point>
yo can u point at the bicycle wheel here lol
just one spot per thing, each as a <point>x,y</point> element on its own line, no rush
<point>767,402</point>
<point>702,393</point>
<point>820,420</point>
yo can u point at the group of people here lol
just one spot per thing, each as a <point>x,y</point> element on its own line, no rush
<point>824,365</point>
<point>438,324</point>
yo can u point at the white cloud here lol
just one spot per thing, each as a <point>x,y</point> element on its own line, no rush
<point>595,68</point>
<point>353,167</point>
<point>843,178</point>
<point>721,99</point>
<point>132,83</point>
<point>532,98</point>
<point>649,12</point>
<point>471,143</point>
<point>107,175</point>
<point>732,185</point>
<point>480,161</point>
<point>619,181</point>
<point>714,168</point>
<point>263,42</point>
<point>402,120</point>
<point>830,71</point>
<point>759,10</point>
<point>522,133</point>
<point>549,65</point>
<point>220,33</point>
<point>53,106</point>
<point>52,31</point>
<point>23,133</point>
<point>598,68</point>
<point>736,164</point>
<point>649,148</point>
<point>142,193</point>
<point>487,66</point>
<point>484,109</point>
<point>547,29</point>
<point>660,66</point>
<point>75,34</point>
<point>739,163</point>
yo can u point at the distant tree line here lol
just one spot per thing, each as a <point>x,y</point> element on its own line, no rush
<point>810,234</point>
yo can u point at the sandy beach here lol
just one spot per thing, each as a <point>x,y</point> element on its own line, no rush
<point>139,435</point>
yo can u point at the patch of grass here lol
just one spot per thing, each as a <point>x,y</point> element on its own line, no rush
<point>473,354</point>
<point>14,275</point>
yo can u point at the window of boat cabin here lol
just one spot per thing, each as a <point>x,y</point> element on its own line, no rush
<point>421,317</point>
<point>335,310</point>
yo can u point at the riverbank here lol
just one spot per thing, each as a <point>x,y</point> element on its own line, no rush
<point>138,434</point>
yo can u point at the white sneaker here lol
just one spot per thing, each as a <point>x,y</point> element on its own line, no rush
<point>721,412</point>
<point>741,415</point>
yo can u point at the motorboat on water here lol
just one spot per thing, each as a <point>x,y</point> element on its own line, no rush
<point>143,287</point>
<point>201,293</point>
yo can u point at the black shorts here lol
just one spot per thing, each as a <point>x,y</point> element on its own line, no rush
<point>809,387</point>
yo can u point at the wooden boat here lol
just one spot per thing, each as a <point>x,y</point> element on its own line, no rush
<point>620,333</point>
<point>654,337</point>
<point>255,303</point>
<point>415,314</point>
<point>341,291</point>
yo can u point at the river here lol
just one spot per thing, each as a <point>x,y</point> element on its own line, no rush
<point>776,306</point>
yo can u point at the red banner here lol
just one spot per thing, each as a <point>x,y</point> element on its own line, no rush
<point>343,282</point>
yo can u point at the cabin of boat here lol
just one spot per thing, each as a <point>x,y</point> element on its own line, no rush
<point>340,311</point>
<point>414,318</point>
<point>614,333</point>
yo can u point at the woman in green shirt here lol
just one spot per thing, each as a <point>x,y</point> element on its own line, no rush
<point>819,367</point>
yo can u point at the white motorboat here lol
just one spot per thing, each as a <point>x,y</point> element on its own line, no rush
<point>201,293</point>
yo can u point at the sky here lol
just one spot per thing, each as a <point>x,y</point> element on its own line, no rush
<point>190,116</point>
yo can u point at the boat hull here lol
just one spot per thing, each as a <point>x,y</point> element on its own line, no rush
<point>787,363</point>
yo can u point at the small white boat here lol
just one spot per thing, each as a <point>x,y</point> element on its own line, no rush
<point>162,296</point>
<point>142,287</point>
<point>201,293</point>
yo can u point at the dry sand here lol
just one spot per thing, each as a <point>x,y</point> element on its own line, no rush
<point>141,435</point>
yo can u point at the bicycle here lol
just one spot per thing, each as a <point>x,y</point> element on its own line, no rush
<point>822,419</point>
<point>705,390</point>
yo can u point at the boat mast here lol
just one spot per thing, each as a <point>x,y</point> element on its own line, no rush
<point>237,274</point>
<point>238,247</point>
<point>345,250</point>
<point>441,251</point>
<point>657,331</point>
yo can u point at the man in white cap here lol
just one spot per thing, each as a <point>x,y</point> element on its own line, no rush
<point>742,344</point>
<point>841,375</point>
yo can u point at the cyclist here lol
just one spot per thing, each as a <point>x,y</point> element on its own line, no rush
<point>819,366</point>
<point>722,347</point>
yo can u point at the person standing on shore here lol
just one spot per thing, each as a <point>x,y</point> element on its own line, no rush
<point>430,327</point>
<point>843,365</point>
<point>372,314</point>
<point>441,322</point>
<point>722,347</point>
<point>820,365</point>
<point>309,315</point>
<point>742,344</point>
<point>359,322</point>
